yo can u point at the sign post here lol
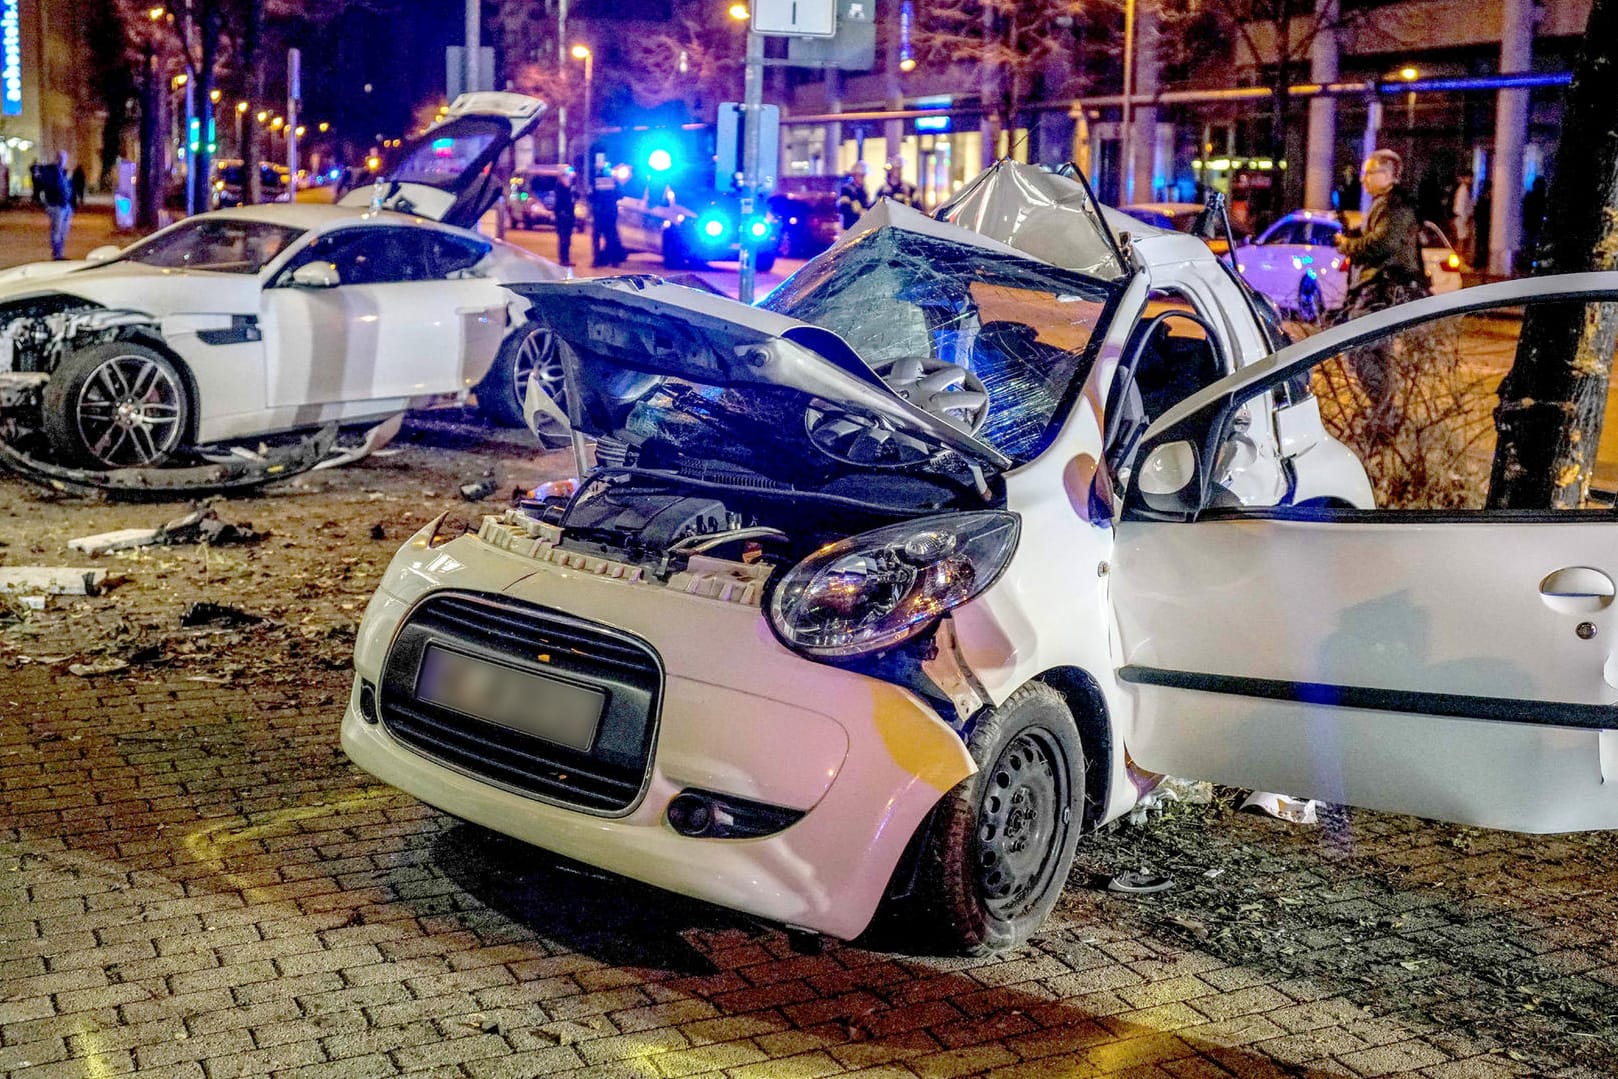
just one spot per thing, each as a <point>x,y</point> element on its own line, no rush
<point>778,18</point>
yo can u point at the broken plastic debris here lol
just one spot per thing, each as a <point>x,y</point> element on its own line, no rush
<point>119,540</point>
<point>1168,789</point>
<point>478,491</point>
<point>100,666</point>
<point>1282,807</point>
<point>1139,882</point>
<point>52,580</point>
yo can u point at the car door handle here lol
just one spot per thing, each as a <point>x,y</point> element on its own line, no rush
<point>1577,590</point>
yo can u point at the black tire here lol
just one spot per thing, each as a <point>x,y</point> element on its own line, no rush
<point>764,261</point>
<point>117,404</point>
<point>529,347</point>
<point>674,253</point>
<point>997,849</point>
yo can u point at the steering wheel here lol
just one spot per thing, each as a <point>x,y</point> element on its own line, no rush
<point>946,390</point>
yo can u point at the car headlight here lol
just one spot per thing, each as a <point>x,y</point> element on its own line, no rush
<point>879,589</point>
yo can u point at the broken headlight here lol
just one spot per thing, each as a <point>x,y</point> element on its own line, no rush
<point>879,589</point>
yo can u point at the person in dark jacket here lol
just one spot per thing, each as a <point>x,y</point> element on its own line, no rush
<point>566,217</point>
<point>852,198</point>
<point>897,187</point>
<point>1385,269</point>
<point>78,187</point>
<point>604,242</point>
<point>54,191</point>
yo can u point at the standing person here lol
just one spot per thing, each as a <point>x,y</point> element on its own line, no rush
<point>1386,270</point>
<point>78,187</point>
<point>607,249</point>
<point>896,187</point>
<point>1462,207</point>
<point>55,192</point>
<point>852,199</point>
<point>566,217</point>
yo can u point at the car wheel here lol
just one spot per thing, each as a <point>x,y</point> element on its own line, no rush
<point>674,254</point>
<point>530,349</point>
<point>997,849</point>
<point>764,261</point>
<point>117,404</point>
<point>1310,305</point>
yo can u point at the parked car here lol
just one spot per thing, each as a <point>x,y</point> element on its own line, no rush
<point>697,228</point>
<point>246,322</point>
<point>1294,263</point>
<point>806,207</point>
<point>531,197</point>
<point>227,183</point>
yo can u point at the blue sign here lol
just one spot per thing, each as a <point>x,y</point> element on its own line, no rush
<point>932,123</point>
<point>10,59</point>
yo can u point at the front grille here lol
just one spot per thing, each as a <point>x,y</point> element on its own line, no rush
<point>608,777</point>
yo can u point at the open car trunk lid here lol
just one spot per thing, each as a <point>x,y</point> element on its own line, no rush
<point>448,173</point>
<point>625,335</point>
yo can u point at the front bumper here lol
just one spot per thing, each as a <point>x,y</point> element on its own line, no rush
<point>864,760</point>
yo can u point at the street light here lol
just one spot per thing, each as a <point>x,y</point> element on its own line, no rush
<point>241,129</point>
<point>740,12</point>
<point>582,52</point>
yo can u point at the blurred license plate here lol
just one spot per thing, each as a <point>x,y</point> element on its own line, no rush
<point>533,704</point>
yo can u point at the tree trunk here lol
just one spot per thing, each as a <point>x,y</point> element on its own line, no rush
<point>207,125</point>
<point>1549,416</point>
<point>252,47</point>
<point>147,190</point>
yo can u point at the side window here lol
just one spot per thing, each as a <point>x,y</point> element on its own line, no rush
<point>1416,406</point>
<point>1321,234</point>
<point>1288,232</point>
<point>449,255</point>
<point>1170,357</point>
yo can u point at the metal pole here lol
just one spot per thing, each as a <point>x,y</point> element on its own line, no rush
<point>752,103</point>
<point>474,43</point>
<point>1126,156</point>
<point>561,66</point>
<point>589,89</point>
<point>188,155</point>
<point>294,99</point>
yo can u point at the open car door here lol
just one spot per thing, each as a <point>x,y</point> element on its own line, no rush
<point>450,172</point>
<point>1431,658</point>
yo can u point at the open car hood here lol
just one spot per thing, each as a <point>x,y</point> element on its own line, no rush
<point>449,173</point>
<point>626,335</point>
<point>1052,217</point>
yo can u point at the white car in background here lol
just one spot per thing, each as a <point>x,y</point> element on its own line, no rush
<point>256,320</point>
<point>1294,263</point>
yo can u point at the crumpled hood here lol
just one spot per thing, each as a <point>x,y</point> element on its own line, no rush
<point>138,287</point>
<point>1042,214</point>
<point>620,328</point>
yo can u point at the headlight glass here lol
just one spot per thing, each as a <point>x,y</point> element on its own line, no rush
<point>879,589</point>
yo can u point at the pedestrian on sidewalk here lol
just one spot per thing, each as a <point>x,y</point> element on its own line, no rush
<point>54,191</point>
<point>1462,224</point>
<point>566,217</point>
<point>78,187</point>
<point>852,198</point>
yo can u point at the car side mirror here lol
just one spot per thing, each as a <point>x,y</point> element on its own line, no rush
<point>316,274</point>
<point>1166,481</point>
<point>104,253</point>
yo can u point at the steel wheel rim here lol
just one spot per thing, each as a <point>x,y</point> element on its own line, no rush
<point>1021,823</point>
<point>130,412</point>
<point>537,355</point>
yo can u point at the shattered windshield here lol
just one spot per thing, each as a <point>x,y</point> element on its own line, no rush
<point>1026,330</point>
<point>219,244</point>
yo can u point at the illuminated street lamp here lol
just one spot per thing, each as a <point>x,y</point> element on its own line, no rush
<point>263,116</point>
<point>582,52</point>
<point>241,129</point>
<point>740,12</point>
<point>1408,74</point>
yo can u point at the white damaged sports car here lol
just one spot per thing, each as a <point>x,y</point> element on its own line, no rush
<point>875,587</point>
<point>256,320</point>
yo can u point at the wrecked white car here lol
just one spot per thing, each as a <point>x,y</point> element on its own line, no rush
<point>875,587</point>
<point>257,320</point>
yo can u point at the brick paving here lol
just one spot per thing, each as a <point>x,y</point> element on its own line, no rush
<point>197,884</point>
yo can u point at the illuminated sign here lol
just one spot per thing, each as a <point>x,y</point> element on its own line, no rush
<point>932,123</point>
<point>10,59</point>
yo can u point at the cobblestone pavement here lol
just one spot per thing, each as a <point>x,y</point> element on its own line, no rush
<point>198,884</point>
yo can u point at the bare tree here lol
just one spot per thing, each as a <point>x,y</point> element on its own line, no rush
<point>1009,41</point>
<point>1551,404</point>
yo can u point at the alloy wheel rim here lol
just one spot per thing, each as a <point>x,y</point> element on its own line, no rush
<point>130,412</point>
<point>537,354</point>
<point>1021,824</point>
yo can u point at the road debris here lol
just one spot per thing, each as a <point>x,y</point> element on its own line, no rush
<point>203,613</point>
<point>478,490</point>
<point>1283,807</point>
<point>1139,882</point>
<point>120,540</point>
<point>52,580</point>
<point>107,665</point>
